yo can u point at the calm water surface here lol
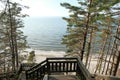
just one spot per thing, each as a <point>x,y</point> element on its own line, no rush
<point>45,33</point>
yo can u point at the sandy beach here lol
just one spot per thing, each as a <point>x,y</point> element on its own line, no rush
<point>41,55</point>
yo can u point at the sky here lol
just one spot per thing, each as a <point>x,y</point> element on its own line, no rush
<point>45,7</point>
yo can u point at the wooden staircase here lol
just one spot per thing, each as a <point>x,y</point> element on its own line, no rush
<point>52,66</point>
<point>56,69</point>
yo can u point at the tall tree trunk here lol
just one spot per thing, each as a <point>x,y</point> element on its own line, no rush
<point>111,54</point>
<point>100,60</point>
<point>117,63</point>
<point>108,48</point>
<point>86,31</point>
<point>16,53</point>
<point>15,44</point>
<point>109,61</point>
<point>113,59</point>
<point>11,37</point>
<point>106,56</point>
<point>115,56</point>
<point>89,48</point>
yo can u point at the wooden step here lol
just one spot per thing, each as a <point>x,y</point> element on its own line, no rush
<point>62,77</point>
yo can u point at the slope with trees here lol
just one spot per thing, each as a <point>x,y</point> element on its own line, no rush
<point>92,25</point>
<point>12,39</point>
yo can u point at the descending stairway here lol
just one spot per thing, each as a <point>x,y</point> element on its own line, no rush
<point>58,65</point>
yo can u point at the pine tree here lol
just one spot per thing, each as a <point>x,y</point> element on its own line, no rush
<point>83,19</point>
<point>12,36</point>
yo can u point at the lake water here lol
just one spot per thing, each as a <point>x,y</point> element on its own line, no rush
<point>45,33</point>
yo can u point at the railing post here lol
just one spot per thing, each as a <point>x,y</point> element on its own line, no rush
<point>82,72</point>
<point>77,70</point>
<point>26,75</point>
<point>48,68</point>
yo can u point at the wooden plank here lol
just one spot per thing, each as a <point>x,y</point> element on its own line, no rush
<point>63,77</point>
<point>61,58</point>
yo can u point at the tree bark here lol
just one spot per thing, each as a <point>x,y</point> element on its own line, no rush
<point>11,36</point>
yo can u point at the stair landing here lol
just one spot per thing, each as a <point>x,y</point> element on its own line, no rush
<point>63,77</point>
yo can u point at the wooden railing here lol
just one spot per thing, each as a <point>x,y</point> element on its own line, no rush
<point>53,65</point>
<point>37,72</point>
<point>61,65</point>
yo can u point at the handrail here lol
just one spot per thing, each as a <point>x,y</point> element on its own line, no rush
<point>37,71</point>
<point>36,66</point>
<point>62,58</point>
<point>83,71</point>
<point>27,66</point>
